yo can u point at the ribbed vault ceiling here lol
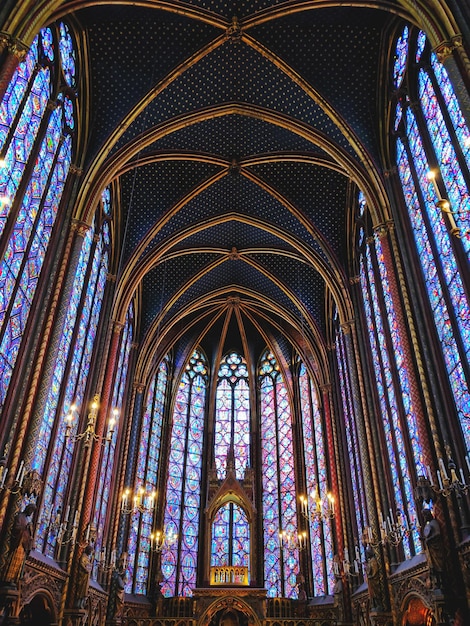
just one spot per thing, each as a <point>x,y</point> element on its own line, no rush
<point>234,135</point>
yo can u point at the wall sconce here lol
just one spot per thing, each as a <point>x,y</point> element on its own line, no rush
<point>449,481</point>
<point>320,510</point>
<point>393,530</point>
<point>292,540</point>
<point>160,540</point>
<point>89,434</point>
<point>141,502</point>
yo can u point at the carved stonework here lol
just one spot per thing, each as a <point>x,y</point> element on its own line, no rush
<point>445,49</point>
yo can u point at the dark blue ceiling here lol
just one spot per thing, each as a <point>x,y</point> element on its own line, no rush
<point>286,110</point>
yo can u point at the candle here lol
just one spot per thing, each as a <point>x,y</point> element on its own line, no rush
<point>381,518</point>
<point>462,478</point>
<point>23,471</point>
<point>113,558</point>
<point>67,513</point>
<point>4,475</point>
<point>346,554</point>
<point>443,469</point>
<point>358,555</point>
<point>87,535</point>
<point>20,470</point>
<point>467,459</point>
<point>75,519</point>
<point>356,567</point>
<point>431,481</point>
<point>439,479</point>
<point>369,534</point>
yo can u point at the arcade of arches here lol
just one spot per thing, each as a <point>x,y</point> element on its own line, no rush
<point>234,313</point>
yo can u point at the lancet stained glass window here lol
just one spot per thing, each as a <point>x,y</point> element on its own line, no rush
<point>36,151</point>
<point>183,491</point>
<point>281,557</point>
<point>232,421</point>
<point>321,535</point>
<point>352,438</point>
<point>108,456</point>
<point>398,418</point>
<point>66,393</point>
<point>146,478</point>
<point>433,155</point>
<point>230,537</point>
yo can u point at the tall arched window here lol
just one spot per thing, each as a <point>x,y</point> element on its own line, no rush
<point>352,438</point>
<point>281,555</point>
<point>232,415</point>
<point>108,457</point>
<point>397,410</point>
<point>66,392</point>
<point>183,491</point>
<point>37,121</point>
<point>146,478</point>
<point>316,480</point>
<point>230,536</point>
<point>433,157</point>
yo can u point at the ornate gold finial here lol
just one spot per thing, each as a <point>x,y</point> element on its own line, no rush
<point>111,278</point>
<point>234,31</point>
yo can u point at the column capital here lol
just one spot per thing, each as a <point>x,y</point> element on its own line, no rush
<point>446,49</point>
<point>383,229</point>
<point>326,387</point>
<point>346,327</point>
<point>79,227</point>
<point>75,170</point>
<point>117,326</point>
<point>139,387</point>
<point>18,49</point>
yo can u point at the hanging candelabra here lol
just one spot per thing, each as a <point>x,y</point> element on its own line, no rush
<point>317,509</point>
<point>141,502</point>
<point>159,540</point>
<point>293,540</point>
<point>89,434</point>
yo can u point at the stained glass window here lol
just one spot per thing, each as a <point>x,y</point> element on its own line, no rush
<point>108,456</point>
<point>395,401</point>
<point>66,393</point>
<point>230,537</point>
<point>183,491</point>
<point>352,439</point>
<point>36,152</point>
<point>146,478</point>
<point>281,554</point>
<point>232,421</point>
<point>401,55</point>
<point>321,536</point>
<point>435,137</point>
